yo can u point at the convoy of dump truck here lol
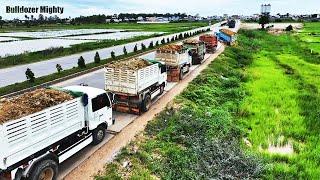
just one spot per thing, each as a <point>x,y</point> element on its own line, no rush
<point>35,139</point>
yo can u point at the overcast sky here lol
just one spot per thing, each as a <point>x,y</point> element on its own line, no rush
<point>203,7</point>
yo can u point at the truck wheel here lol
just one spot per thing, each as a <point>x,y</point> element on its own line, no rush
<point>45,170</point>
<point>98,135</point>
<point>161,89</point>
<point>146,103</point>
<point>181,74</point>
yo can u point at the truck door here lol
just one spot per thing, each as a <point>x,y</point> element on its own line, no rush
<point>102,111</point>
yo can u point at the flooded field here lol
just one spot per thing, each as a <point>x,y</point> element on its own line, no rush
<point>19,47</point>
<point>112,36</point>
<point>4,39</point>
<point>58,33</point>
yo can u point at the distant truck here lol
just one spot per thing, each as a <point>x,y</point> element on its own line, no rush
<point>134,83</point>
<point>211,42</point>
<point>177,61</point>
<point>196,49</point>
<point>33,146</point>
<point>227,36</point>
<point>232,23</point>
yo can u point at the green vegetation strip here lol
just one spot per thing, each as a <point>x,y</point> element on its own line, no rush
<point>70,73</point>
<point>196,137</point>
<point>167,27</point>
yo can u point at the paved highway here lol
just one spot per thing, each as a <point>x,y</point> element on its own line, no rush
<point>17,74</point>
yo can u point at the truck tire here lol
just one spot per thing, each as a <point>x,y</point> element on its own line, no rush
<point>162,86</point>
<point>45,170</point>
<point>146,103</point>
<point>98,135</point>
<point>181,74</point>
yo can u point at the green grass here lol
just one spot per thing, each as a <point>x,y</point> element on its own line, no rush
<point>169,27</point>
<point>311,35</point>
<point>283,106</point>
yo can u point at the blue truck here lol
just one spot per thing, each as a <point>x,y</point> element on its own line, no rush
<point>227,36</point>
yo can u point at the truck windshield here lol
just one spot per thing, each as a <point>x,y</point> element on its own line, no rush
<point>100,102</point>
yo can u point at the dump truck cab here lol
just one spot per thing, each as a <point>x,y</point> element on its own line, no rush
<point>99,107</point>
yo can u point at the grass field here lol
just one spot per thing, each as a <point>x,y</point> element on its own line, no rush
<point>281,112</point>
<point>169,27</point>
<point>253,113</point>
<point>311,35</point>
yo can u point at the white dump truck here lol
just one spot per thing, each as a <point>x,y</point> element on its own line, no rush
<point>33,146</point>
<point>134,83</point>
<point>177,60</point>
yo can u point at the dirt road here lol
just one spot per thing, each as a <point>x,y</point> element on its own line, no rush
<point>106,153</point>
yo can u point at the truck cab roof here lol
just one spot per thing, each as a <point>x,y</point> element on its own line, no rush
<point>90,91</point>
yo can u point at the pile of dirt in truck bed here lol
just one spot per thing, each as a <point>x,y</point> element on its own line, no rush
<point>176,48</point>
<point>131,64</point>
<point>191,41</point>
<point>31,102</point>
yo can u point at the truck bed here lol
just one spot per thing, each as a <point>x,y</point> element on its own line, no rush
<point>175,59</point>
<point>130,82</point>
<point>23,137</point>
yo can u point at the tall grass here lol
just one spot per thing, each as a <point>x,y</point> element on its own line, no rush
<point>283,106</point>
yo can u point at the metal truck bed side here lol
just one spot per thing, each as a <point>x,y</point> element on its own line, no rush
<point>23,137</point>
<point>130,81</point>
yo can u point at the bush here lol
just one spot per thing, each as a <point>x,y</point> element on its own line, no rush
<point>59,68</point>
<point>143,47</point>
<point>97,58</point>
<point>289,28</point>
<point>151,44</point>
<point>30,75</point>
<point>113,55</point>
<point>135,49</point>
<point>163,41</point>
<point>81,62</point>
<point>125,51</point>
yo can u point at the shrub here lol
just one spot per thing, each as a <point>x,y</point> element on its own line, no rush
<point>125,50</point>
<point>143,47</point>
<point>59,68</point>
<point>289,28</point>
<point>163,41</point>
<point>135,49</point>
<point>151,44</point>
<point>81,62</point>
<point>30,75</point>
<point>97,58</point>
<point>113,55</point>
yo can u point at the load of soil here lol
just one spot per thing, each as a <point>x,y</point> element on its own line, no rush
<point>174,48</point>
<point>31,102</point>
<point>132,64</point>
